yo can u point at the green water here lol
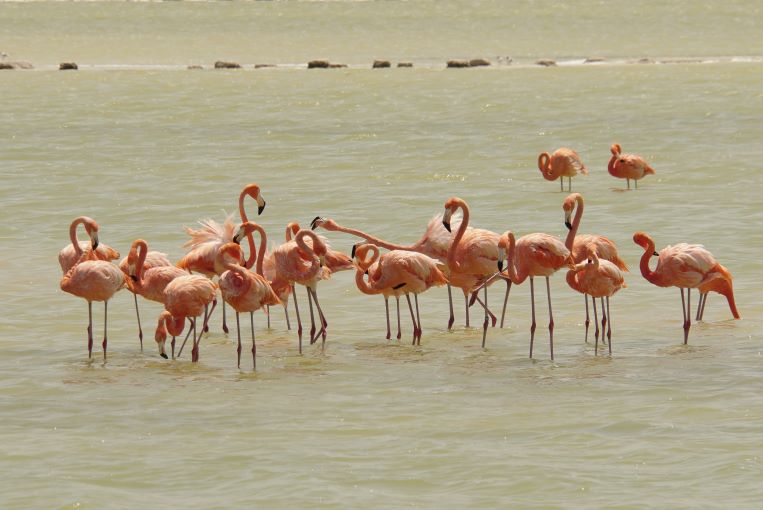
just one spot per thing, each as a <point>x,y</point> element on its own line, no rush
<point>151,148</point>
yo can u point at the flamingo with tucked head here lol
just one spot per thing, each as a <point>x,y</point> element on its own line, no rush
<point>627,166</point>
<point>562,163</point>
<point>72,252</point>
<point>686,266</point>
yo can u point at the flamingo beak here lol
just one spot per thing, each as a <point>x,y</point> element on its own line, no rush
<point>95,241</point>
<point>500,266</point>
<point>656,254</point>
<point>322,260</point>
<point>567,221</point>
<point>260,204</point>
<point>134,278</point>
<point>352,253</point>
<point>160,344</point>
<point>314,223</point>
<point>446,219</point>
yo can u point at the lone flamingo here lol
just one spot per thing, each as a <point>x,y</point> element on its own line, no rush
<point>598,278</point>
<point>243,290</point>
<point>435,243</point>
<point>72,253</point>
<point>300,262</point>
<point>686,266</point>
<point>562,163</point>
<point>579,245</point>
<point>534,255</point>
<point>397,272</point>
<point>148,276</point>
<point>471,258</point>
<point>93,280</point>
<point>185,296</point>
<point>627,166</point>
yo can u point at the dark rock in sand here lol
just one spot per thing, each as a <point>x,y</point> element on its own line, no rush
<point>593,60</point>
<point>379,64</point>
<point>260,66</point>
<point>405,64</point>
<point>16,65</point>
<point>546,63</point>
<point>457,63</point>
<point>318,64</point>
<point>221,64</point>
<point>68,66</point>
<point>478,62</point>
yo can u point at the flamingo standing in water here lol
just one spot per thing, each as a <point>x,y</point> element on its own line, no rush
<point>579,245</point>
<point>562,163</point>
<point>394,273</point>
<point>686,266</point>
<point>533,255</point>
<point>598,278</point>
<point>627,166</point>
<point>185,296</point>
<point>243,290</point>
<point>93,280</point>
<point>148,277</point>
<point>471,258</point>
<point>72,252</point>
<point>303,263</point>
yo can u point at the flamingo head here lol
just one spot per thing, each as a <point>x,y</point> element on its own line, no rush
<point>544,165</point>
<point>503,249</point>
<point>642,239</point>
<point>451,205</point>
<point>360,255</point>
<point>245,229</point>
<point>569,206</point>
<point>615,149</point>
<point>291,230</point>
<point>326,223</point>
<point>253,191</point>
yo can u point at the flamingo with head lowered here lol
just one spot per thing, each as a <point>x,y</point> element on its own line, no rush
<point>562,163</point>
<point>627,166</point>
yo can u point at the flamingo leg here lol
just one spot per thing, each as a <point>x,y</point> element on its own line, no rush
<point>105,329</point>
<point>313,338</point>
<point>207,314</point>
<point>550,319</point>
<point>172,344</point>
<point>299,321</point>
<point>195,349</point>
<point>89,329</point>
<point>532,326</point>
<point>452,318</point>
<point>485,322</point>
<point>635,182</point>
<point>286,313</point>
<point>587,317</point>
<point>629,183</point>
<point>225,324</point>
<point>596,323</point>
<point>238,348</point>
<point>418,318</point>
<point>254,344</point>
<point>206,320</point>
<point>466,302</point>
<point>324,322</point>
<point>687,322</point>
<point>137,314</point>
<point>704,302</point>
<point>397,298</point>
<point>561,183</point>
<point>190,328</point>
<point>603,319</point>
<point>413,319</point>
<point>609,328</point>
<point>267,312</point>
<point>484,305</point>
<point>505,301</point>
<point>701,306</point>
<point>386,309</point>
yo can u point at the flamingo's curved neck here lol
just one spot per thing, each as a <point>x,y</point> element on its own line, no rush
<point>142,249</point>
<point>254,255</point>
<point>249,236</point>
<point>173,325</point>
<point>73,235</point>
<point>307,250</point>
<point>544,162</point>
<point>575,223</point>
<point>647,273</point>
<point>363,286</point>
<point>511,270</point>
<point>291,230</point>
<point>373,239</point>
<point>459,234</point>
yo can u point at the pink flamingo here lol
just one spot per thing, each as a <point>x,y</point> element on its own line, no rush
<point>562,163</point>
<point>686,266</point>
<point>434,243</point>
<point>394,273</point>
<point>72,253</point>
<point>243,290</point>
<point>299,262</point>
<point>93,280</point>
<point>579,244</point>
<point>253,191</point>
<point>471,258</point>
<point>148,276</point>
<point>601,279</point>
<point>534,255</point>
<point>185,296</point>
<point>627,166</point>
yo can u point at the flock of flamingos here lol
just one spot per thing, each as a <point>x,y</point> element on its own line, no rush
<point>450,252</point>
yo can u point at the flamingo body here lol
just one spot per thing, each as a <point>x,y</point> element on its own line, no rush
<point>627,166</point>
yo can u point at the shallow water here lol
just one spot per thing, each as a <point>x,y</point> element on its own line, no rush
<point>146,151</point>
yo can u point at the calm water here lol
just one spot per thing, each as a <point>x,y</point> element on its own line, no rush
<point>147,150</point>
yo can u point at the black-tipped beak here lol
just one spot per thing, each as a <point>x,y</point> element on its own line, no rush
<point>237,238</point>
<point>366,273</point>
<point>314,223</point>
<point>134,278</point>
<point>568,225</point>
<point>656,254</point>
<point>500,266</point>
<point>261,208</point>
<point>352,253</point>
<point>446,224</point>
<point>163,355</point>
